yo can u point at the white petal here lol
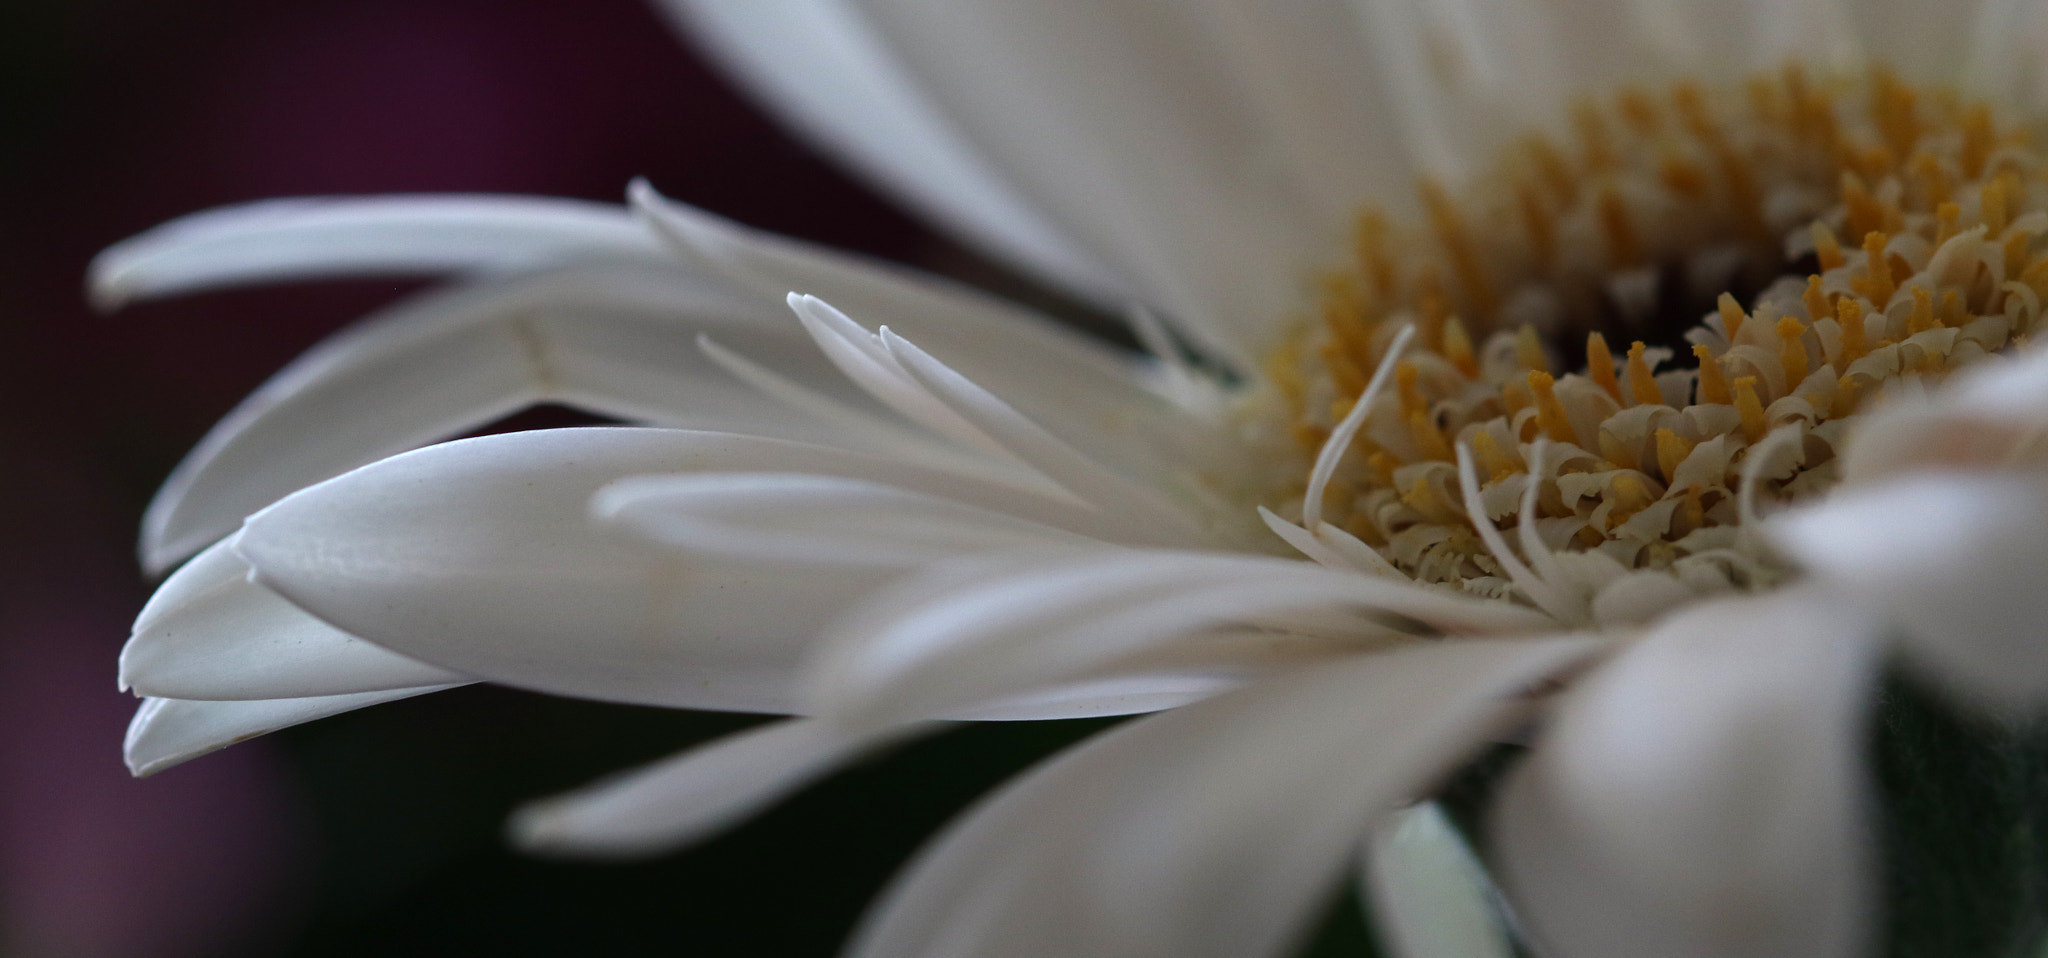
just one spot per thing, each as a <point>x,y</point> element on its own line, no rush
<point>1081,390</point>
<point>209,633</point>
<point>828,519</point>
<point>1954,560</point>
<point>1989,417</point>
<point>819,63</point>
<point>1123,501</point>
<point>2005,63</point>
<point>1427,893</point>
<point>310,237</point>
<point>479,555</point>
<point>689,796</point>
<point>1703,793</point>
<point>973,632</point>
<point>614,339</point>
<point>1209,830</point>
<point>167,732</point>
<point>1151,132</point>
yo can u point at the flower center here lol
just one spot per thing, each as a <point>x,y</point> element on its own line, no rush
<point>1681,309</point>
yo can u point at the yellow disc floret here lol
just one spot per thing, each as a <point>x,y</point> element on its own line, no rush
<point>1775,257</point>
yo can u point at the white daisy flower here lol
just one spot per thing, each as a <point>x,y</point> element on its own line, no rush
<point>1692,386</point>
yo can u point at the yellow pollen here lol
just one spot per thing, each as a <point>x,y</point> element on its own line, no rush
<point>1945,217</point>
<point>1792,351</point>
<point>1382,465</point>
<point>1816,301</point>
<point>1600,365</point>
<point>1498,462</point>
<point>1691,515</point>
<point>2036,278</point>
<point>2016,253</point>
<point>1639,111</point>
<point>1588,234</point>
<point>1431,311</point>
<point>1826,247</point>
<point>1848,391</point>
<point>1713,382</point>
<point>1876,284</point>
<point>1640,382</point>
<point>1529,351</point>
<point>1951,312</point>
<point>1922,318</point>
<point>1615,453</point>
<point>1692,109</point>
<point>1550,415</point>
<point>1979,136</point>
<point>1893,111</point>
<point>1671,450</point>
<point>1992,201</point>
<point>1622,244</point>
<point>1849,313</point>
<point>1424,498</point>
<point>1428,440</point>
<point>1406,376</point>
<point>1933,180</point>
<point>1731,315</point>
<point>1346,373</point>
<point>1369,245</point>
<point>1457,242</point>
<point>1551,168</point>
<point>1749,408</point>
<point>1682,176</point>
<point>1458,348</point>
<point>1629,498</point>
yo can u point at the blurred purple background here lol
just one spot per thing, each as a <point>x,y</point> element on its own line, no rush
<point>116,115</point>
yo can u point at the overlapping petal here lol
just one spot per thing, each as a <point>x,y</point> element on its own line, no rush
<point>964,634</point>
<point>310,237</point>
<point>820,65</point>
<point>1952,560</point>
<point>616,339</point>
<point>168,732</point>
<point>210,633</point>
<point>1702,794</point>
<point>1209,830</point>
<point>479,555</point>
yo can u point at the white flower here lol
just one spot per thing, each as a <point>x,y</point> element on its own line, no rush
<point>912,504</point>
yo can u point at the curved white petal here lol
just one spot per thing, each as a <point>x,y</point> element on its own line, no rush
<point>830,519</point>
<point>615,339</point>
<point>1954,560</point>
<point>1146,130</point>
<point>692,795</point>
<point>1084,391</point>
<point>167,732</point>
<point>1992,416</point>
<point>976,630</point>
<point>209,633</point>
<point>820,65</point>
<point>480,555</point>
<point>1427,893</point>
<point>1163,521</point>
<point>308,237</point>
<point>1702,794</point>
<point>2006,62</point>
<point>1209,830</point>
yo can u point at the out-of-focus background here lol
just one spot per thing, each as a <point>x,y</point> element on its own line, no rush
<point>377,832</point>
